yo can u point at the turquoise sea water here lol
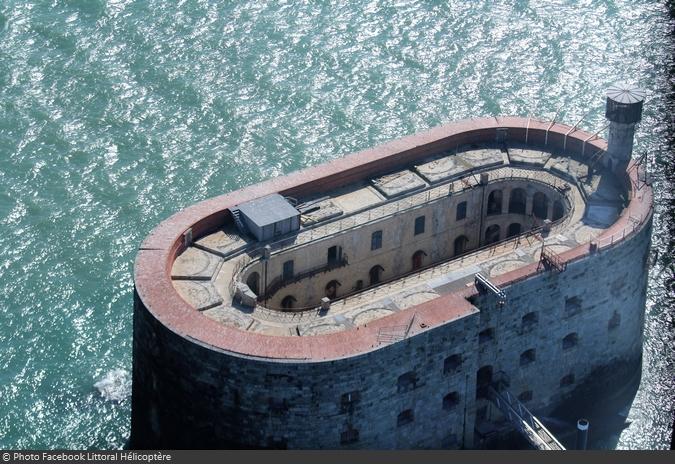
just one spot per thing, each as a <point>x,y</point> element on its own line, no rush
<point>115,114</point>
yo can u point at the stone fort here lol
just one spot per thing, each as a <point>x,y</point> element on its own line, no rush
<point>406,296</point>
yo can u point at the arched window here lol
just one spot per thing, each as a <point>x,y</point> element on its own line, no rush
<point>528,357</point>
<point>452,363</point>
<point>407,382</point>
<point>253,282</point>
<point>558,210</point>
<point>492,234</point>
<point>331,289</point>
<point>513,230</point>
<point>375,274</point>
<point>517,201</point>
<point>288,302</point>
<point>450,401</point>
<point>570,341</point>
<point>418,259</point>
<point>461,243</point>
<point>494,205</point>
<point>540,205</point>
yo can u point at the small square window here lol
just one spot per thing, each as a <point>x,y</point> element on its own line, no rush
<point>376,240</point>
<point>349,400</point>
<point>525,396</point>
<point>278,406</point>
<point>529,320</point>
<point>486,335</point>
<point>419,225</point>
<point>570,341</point>
<point>572,306</point>
<point>406,417</point>
<point>406,382</point>
<point>567,380</point>
<point>349,436</point>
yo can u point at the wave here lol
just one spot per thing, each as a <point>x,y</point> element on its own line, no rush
<point>115,385</point>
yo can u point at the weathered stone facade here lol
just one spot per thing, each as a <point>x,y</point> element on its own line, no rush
<point>400,243</point>
<point>199,382</point>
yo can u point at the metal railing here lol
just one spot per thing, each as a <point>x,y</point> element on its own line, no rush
<point>280,282</point>
<point>397,205</point>
<point>419,199</point>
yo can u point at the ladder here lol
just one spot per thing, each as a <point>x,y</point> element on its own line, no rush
<point>594,159</point>
<point>236,215</point>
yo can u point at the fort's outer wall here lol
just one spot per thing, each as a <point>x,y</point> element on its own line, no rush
<point>611,288</point>
<point>181,389</point>
<point>190,396</point>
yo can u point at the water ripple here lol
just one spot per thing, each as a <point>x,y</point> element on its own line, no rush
<point>115,114</point>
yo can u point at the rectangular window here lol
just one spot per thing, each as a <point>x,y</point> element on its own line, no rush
<point>486,335</point>
<point>452,363</point>
<point>419,225</point>
<point>334,254</point>
<point>572,306</point>
<point>376,240</point>
<point>349,436</point>
<point>461,211</point>
<point>288,270</point>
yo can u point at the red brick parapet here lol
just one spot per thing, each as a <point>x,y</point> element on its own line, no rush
<point>152,273</point>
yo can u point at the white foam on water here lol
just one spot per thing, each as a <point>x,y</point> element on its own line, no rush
<point>115,385</point>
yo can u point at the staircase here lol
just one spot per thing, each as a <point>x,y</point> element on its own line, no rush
<point>241,227</point>
<point>550,260</point>
<point>523,420</point>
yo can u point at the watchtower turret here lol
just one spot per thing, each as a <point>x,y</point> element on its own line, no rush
<point>624,111</point>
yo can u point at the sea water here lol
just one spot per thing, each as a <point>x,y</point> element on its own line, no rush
<point>116,114</point>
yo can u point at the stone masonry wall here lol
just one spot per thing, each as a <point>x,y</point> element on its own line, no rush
<point>186,395</point>
<point>605,295</point>
<point>398,242</point>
